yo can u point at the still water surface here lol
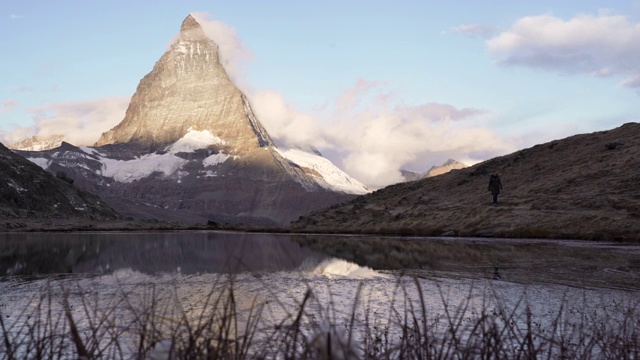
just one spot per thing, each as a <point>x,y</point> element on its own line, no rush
<point>271,270</point>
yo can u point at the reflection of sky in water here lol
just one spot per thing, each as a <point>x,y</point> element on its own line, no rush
<point>379,299</point>
<point>184,272</point>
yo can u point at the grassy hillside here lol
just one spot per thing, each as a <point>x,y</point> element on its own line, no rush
<point>586,186</point>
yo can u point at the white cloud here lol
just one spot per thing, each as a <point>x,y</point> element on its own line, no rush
<point>375,136</point>
<point>353,97</point>
<point>602,45</point>
<point>284,123</point>
<point>380,144</point>
<point>234,55</point>
<point>15,16</point>
<point>365,129</point>
<point>475,30</point>
<point>81,122</point>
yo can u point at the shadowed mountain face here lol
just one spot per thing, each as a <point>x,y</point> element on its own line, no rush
<point>584,186</point>
<point>190,149</point>
<point>28,191</point>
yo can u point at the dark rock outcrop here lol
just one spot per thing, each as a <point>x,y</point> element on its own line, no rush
<point>27,191</point>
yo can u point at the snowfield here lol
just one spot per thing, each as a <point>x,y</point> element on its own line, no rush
<point>42,162</point>
<point>325,173</point>
<point>333,178</point>
<point>194,140</point>
<point>215,159</point>
<point>127,171</point>
<point>132,170</point>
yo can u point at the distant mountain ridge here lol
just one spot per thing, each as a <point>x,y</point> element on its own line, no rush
<point>584,186</point>
<point>190,149</point>
<point>38,143</point>
<point>449,165</point>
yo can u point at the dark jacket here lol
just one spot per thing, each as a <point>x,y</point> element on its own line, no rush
<point>495,185</point>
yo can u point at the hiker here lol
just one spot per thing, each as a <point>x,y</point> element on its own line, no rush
<point>495,185</point>
<point>496,274</point>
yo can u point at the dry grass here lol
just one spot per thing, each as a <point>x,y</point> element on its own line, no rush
<point>69,322</point>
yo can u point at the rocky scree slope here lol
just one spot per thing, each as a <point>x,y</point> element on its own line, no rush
<point>585,186</point>
<point>27,191</point>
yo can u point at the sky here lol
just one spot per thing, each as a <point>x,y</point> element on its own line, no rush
<point>376,86</point>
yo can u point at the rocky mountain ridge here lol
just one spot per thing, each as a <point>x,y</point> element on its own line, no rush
<point>27,191</point>
<point>584,186</point>
<point>449,165</point>
<point>446,167</point>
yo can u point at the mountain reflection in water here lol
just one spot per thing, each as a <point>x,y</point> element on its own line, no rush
<point>42,254</point>
<point>266,280</point>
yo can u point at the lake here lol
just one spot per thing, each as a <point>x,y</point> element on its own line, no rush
<point>172,294</point>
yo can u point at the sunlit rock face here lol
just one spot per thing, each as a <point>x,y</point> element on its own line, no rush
<point>451,164</point>
<point>448,166</point>
<point>190,149</point>
<point>187,89</point>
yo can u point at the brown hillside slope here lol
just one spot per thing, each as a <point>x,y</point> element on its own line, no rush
<point>585,186</point>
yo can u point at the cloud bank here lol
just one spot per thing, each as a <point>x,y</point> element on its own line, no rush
<point>373,135</point>
<point>603,45</point>
<point>81,122</point>
<point>366,130</point>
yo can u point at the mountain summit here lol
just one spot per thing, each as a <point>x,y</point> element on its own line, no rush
<point>190,23</point>
<point>188,89</point>
<point>190,149</point>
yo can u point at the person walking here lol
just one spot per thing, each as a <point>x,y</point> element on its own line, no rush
<point>495,185</point>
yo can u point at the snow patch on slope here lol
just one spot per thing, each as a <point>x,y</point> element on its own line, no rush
<point>331,176</point>
<point>194,140</point>
<point>127,171</point>
<point>215,159</point>
<point>91,151</point>
<point>136,169</point>
<point>42,162</point>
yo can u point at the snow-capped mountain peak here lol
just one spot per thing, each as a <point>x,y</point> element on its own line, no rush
<point>190,147</point>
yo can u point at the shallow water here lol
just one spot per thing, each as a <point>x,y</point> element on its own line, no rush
<point>182,272</point>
